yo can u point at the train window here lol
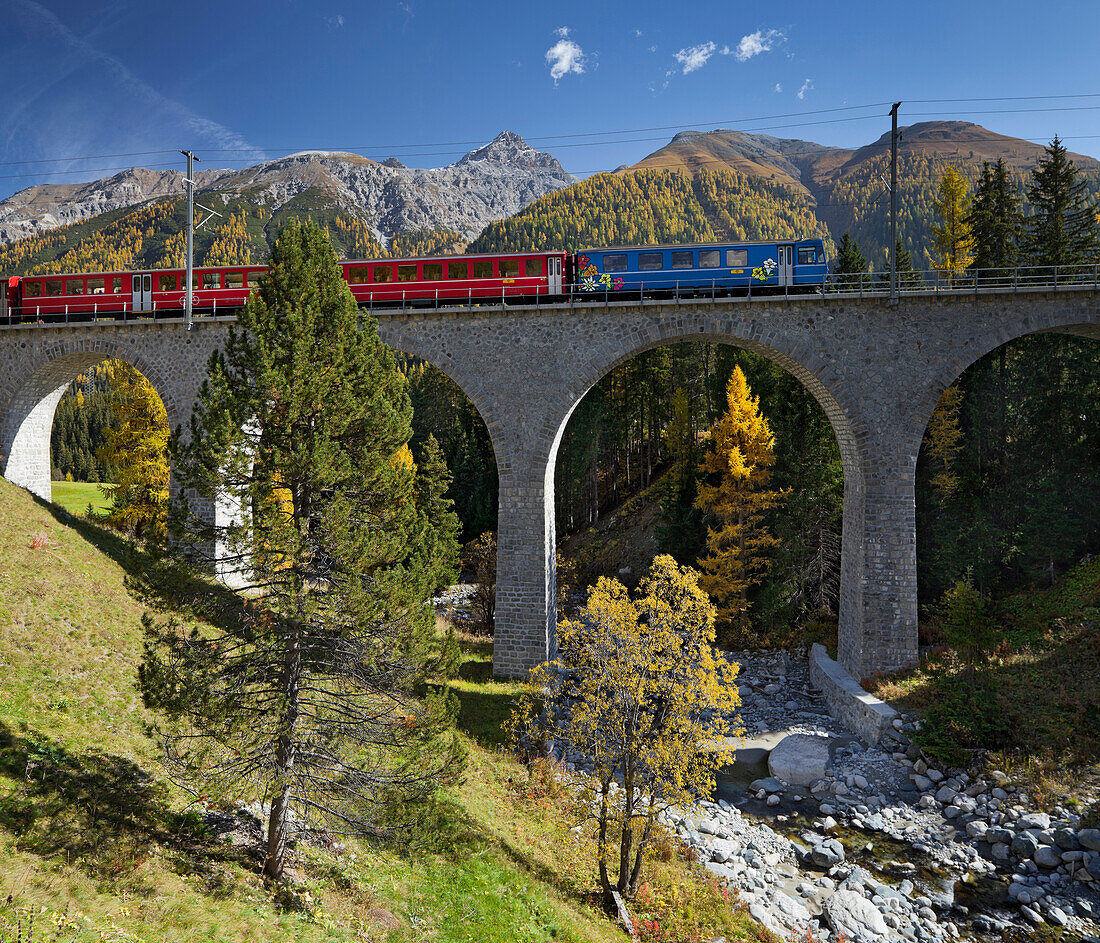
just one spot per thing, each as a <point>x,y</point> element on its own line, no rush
<point>532,268</point>
<point>458,269</point>
<point>32,289</point>
<point>481,268</point>
<point>509,268</point>
<point>51,287</point>
<point>681,258</point>
<point>74,286</point>
<point>737,258</point>
<point>116,285</point>
<point>614,262</point>
<point>167,282</point>
<point>651,261</point>
<point>234,279</point>
<point>382,273</point>
<point>95,286</point>
<point>406,273</point>
<point>709,258</point>
<point>807,255</point>
<point>254,279</point>
<point>433,271</point>
<point>358,275</point>
<point>211,280</point>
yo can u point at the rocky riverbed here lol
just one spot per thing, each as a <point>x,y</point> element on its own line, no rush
<point>873,841</point>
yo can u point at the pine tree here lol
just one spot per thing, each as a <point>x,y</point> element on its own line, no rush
<point>996,224</point>
<point>1063,228</point>
<point>679,528</point>
<point>848,262</point>
<point>433,481</point>
<point>306,699</point>
<point>737,468</point>
<point>136,452</point>
<point>951,238</point>
<point>909,279</point>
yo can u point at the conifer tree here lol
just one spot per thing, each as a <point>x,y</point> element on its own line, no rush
<point>305,699</point>
<point>737,470</point>
<point>951,238</point>
<point>848,261</point>
<point>996,224</point>
<point>908,278</point>
<point>1063,228</point>
<point>433,481</point>
<point>136,451</point>
<point>679,529</point>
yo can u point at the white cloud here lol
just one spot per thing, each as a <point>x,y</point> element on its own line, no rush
<point>638,32</point>
<point>653,48</point>
<point>778,87</point>
<point>807,86</point>
<point>563,57</point>
<point>336,22</point>
<point>755,43</point>
<point>695,57</point>
<point>562,31</point>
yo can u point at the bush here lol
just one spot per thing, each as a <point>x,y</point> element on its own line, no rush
<point>479,557</point>
<point>966,713</point>
<point>965,620</point>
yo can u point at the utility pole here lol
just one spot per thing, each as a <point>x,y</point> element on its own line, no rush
<point>189,288</point>
<point>894,202</point>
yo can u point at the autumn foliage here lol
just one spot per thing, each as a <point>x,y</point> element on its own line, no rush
<point>640,705</point>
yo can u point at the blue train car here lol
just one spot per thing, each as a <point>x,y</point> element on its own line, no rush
<point>703,269</point>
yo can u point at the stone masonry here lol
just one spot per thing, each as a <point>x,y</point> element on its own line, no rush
<point>877,370</point>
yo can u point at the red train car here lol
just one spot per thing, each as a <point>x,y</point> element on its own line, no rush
<point>424,281</point>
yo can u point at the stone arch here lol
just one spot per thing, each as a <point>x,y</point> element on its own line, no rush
<point>959,357</point>
<point>32,402</point>
<point>806,365</point>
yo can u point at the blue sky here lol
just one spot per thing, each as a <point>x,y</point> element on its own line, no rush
<point>598,85</point>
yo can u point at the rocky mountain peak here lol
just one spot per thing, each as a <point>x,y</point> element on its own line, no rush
<point>509,148</point>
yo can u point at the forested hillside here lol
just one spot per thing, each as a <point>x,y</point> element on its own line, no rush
<point>654,206</point>
<point>152,236</point>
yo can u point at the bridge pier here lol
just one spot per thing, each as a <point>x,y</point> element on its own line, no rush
<point>878,576</point>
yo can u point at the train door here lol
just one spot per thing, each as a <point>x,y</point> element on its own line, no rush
<point>785,270</point>
<point>142,291</point>
<point>554,274</point>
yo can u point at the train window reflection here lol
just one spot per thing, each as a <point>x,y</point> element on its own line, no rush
<point>737,258</point>
<point>458,269</point>
<point>32,289</point>
<point>807,256</point>
<point>709,258</point>
<point>651,261</point>
<point>234,279</point>
<point>532,268</point>
<point>95,286</point>
<point>51,287</point>
<point>509,268</point>
<point>406,273</point>
<point>681,258</point>
<point>116,285</point>
<point>74,286</point>
<point>167,282</point>
<point>382,273</point>
<point>358,275</point>
<point>614,262</point>
<point>254,279</point>
<point>211,280</point>
<point>433,271</point>
<point>481,268</point>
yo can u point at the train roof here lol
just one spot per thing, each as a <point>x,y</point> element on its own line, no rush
<point>700,245</point>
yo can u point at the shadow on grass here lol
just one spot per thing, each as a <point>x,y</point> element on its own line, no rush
<point>152,577</point>
<point>101,813</point>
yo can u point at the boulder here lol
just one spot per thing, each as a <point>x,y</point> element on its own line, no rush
<point>828,853</point>
<point>1039,820</point>
<point>852,914</point>
<point>792,911</point>
<point>768,784</point>
<point>1025,845</point>
<point>1047,856</point>
<point>945,794</point>
<point>799,759</point>
<point>1089,838</point>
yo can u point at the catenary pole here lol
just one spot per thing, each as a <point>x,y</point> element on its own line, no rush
<point>894,202</point>
<point>189,285</point>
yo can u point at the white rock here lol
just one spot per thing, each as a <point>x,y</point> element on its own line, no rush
<point>799,759</point>
<point>851,913</point>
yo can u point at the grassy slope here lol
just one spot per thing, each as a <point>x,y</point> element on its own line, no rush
<point>92,841</point>
<point>75,496</point>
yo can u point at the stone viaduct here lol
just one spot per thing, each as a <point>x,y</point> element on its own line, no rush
<point>877,369</point>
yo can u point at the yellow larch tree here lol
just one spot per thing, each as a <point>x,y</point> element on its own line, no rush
<point>638,695</point>
<point>737,467</point>
<point>943,439</point>
<point>136,452</point>
<point>951,238</point>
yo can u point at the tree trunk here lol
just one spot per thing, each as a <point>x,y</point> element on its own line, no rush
<point>278,826</point>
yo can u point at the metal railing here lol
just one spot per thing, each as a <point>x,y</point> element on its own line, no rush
<point>36,311</point>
